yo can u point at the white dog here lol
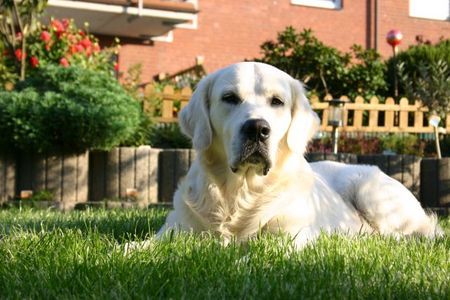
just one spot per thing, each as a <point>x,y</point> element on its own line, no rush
<point>250,124</point>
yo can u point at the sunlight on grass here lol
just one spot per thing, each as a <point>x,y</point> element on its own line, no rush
<point>45,254</point>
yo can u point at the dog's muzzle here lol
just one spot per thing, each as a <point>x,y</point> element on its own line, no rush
<point>254,150</point>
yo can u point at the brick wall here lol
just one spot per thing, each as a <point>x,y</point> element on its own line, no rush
<point>395,14</point>
<point>231,31</point>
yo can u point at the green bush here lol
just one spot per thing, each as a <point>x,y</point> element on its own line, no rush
<point>67,110</point>
<point>168,136</point>
<point>43,195</point>
<point>412,58</point>
<point>142,135</point>
<point>423,73</point>
<point>403,144</point>
<point>324,69</point>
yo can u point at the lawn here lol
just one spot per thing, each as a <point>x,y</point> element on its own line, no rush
<point>49,255</point>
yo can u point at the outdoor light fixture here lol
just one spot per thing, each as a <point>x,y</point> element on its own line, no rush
<point>335,119</point>
<point>394,38</point>
<point>434,122</point>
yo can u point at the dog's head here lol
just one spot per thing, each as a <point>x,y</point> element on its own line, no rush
<point>248,113</point>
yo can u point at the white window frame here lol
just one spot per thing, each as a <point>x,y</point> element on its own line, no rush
<point>329,4</point>
<point>421,10</point>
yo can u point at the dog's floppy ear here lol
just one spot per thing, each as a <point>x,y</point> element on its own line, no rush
<point>304,123</point>
<point>194,118</point>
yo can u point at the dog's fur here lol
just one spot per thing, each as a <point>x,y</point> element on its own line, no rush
<point>238,186</point>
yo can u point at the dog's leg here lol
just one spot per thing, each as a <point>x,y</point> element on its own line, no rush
<point>169,227</point>
<point>304,237</point>
<point>389,206</point>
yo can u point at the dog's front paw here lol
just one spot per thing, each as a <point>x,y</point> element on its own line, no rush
<point>137,246</point>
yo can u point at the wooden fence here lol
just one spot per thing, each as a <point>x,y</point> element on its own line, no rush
<point>374,116</point>
<point>167,103</point>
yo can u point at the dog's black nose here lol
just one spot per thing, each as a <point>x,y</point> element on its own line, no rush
<point>256,130</point>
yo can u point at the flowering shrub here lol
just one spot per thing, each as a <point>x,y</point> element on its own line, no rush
<point>392,143</point>
<point>59,43</point>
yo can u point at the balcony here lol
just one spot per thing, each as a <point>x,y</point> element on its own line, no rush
<point>142,19</point>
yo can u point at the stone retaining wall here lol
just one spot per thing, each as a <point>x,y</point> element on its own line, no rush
<point>152,175</point>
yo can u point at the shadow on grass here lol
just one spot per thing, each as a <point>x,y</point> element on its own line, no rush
<point>122,225</point>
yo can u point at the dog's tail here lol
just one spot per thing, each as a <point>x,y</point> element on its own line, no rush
<point>429,227</point>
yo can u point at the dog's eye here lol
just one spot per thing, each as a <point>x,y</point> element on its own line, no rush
<point>231,98</point>
<point>275,101</point>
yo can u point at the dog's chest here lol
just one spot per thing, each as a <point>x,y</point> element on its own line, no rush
<point>242,213</point>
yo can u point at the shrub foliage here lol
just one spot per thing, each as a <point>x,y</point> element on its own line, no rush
<point>67,109</point>
<point>424,73</point>
<point>324,69</point>
<point>168,136</point>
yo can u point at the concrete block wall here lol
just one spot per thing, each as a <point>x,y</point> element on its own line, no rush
<point>115,173</point>
<point>152,175</point>
<point>65,176</point>
<point>7,178</point>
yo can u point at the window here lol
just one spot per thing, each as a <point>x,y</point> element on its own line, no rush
<point>436,9</point>
<point>331,4</point>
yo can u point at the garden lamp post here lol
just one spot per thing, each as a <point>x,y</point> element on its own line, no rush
<point>434,122</point>
<point>335,119</point>
<point>394,38</point>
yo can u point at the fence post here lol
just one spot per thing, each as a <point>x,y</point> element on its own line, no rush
<point>389,114</point>
<point>167,104</point>
<point>418,115</point>
<point>373,115</point>
<point>7,178</point>
<point>358,116</point>
<point>173,165</point>
<point>65,176</point>
<point>186,94</point>
<point>403,124</point>
<point>435,182</point>
<point>113,173</point>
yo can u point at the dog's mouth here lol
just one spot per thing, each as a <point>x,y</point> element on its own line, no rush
<point>253,154</point>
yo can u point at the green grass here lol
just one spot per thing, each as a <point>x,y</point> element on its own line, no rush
<point>49,255</point>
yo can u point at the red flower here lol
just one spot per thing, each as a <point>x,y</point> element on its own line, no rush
<point>34,61</point>
<point>88,51</point>
<point>18,53</point>
<point>116,66</point>
<point>95,47</point>
<point>58,26</point>
<point>64,62</point>
<point>79,48</point>
<point>73,49</point>
<point>72,38</point>
<point>66,23</point>
<point>86,42</point>
<point>45,36</point>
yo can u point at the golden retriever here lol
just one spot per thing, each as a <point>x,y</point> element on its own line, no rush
<point>250,124</point>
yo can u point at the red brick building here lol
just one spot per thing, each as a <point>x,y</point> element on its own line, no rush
<point>168,35</point>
